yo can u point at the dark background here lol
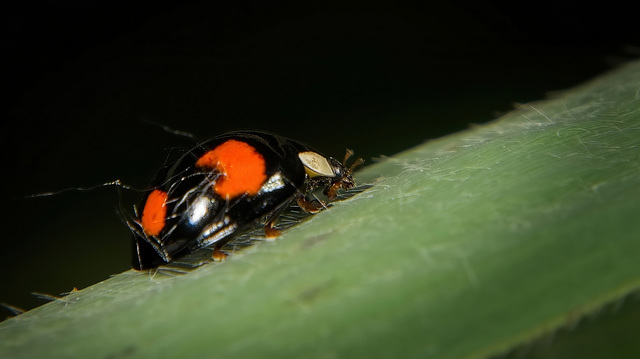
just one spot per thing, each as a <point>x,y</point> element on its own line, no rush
<point>82,83</point>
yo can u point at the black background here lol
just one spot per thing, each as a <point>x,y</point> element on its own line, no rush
<point>82,83</point>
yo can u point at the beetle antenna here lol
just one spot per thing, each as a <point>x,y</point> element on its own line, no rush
<point>355,164</point>
<point>347,155</point>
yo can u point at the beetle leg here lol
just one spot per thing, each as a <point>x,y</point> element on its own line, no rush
<point>218,255</point>
<point>270,231</point>
<point>309,206</point>
<point>332,192</point>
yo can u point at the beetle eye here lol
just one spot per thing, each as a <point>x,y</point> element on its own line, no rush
<point>316,165</point>
<point>338,170</point>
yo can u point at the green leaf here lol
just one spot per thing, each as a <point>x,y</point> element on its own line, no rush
<point>467,246</point>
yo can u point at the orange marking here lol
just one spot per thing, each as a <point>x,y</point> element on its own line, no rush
<point>242,167</point>
<point>154,213</point>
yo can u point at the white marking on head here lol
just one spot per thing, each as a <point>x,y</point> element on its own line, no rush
<point>315,164</point>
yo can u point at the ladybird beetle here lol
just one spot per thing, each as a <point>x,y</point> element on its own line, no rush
<point>224,185</point>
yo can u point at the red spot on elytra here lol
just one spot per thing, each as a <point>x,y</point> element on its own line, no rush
<point>241,165</point>
<point>154,213</point>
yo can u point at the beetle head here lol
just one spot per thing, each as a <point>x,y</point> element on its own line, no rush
<point>342,174</point>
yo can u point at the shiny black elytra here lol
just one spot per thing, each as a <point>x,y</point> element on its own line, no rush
<point>220,187</point>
